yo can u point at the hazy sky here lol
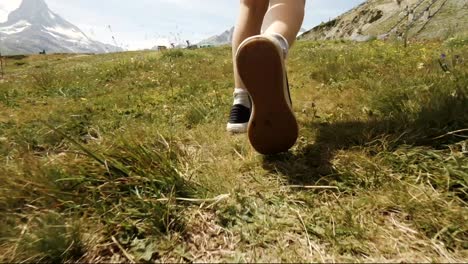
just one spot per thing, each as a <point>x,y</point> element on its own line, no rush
<point>143,23</point>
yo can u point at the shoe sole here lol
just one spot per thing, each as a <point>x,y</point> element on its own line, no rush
<point>273,127</point>
<point>237,128</point>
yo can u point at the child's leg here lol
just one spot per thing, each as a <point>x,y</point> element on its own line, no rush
<point>260,61</point>
<point>284,17</point>
<point>248,24</point>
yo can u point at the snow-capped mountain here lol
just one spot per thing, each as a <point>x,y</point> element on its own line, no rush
<point>225,38</point>
<point>33,27</point>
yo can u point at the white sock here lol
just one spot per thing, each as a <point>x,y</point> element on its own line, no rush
<point>283,43</point>
<point>241,96</point>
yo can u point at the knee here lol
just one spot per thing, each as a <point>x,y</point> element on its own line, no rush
<point>255,4</point>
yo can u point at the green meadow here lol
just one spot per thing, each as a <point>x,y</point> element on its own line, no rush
<point>124,158</point>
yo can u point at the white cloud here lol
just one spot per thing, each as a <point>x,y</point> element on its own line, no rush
<point>3,15</point>
<point>6,6</point>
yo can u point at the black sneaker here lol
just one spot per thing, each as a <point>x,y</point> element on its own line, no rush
<point>239,119</point>
<point>240,112</point>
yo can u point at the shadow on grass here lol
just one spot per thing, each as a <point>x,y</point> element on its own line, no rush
<point>432,127</point>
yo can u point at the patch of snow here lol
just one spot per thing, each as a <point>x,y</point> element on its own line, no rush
<point>15,28</point>
<point>78,42</point>
<point>69,34</point>
<point>51,15</point>
<point>70,45</point>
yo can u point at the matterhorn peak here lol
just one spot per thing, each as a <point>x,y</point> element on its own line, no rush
<point>33,4</point>
<point>31,11</point>
<point>33,27</point>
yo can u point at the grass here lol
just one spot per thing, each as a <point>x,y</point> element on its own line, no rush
<point>124,158</point>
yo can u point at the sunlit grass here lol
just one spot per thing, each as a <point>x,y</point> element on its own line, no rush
<point>124,157</point>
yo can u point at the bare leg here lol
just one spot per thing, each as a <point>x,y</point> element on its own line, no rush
<point>248,24</point>
<point>284,17</point>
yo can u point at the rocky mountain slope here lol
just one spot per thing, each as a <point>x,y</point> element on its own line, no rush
<point>422,19</point>
<point>33,27</point>
<point>218,40</point>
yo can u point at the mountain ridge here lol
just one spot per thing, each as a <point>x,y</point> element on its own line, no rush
<point>418,19</point>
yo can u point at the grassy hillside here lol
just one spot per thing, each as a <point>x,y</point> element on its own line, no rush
<point>124,157</point>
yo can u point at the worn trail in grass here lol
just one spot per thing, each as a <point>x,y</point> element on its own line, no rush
<point>124,157</point>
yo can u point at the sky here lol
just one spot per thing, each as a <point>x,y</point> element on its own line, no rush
<point>139,24</point>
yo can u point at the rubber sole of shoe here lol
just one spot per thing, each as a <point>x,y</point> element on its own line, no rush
<point>237,128</point>
<point>273,127</point>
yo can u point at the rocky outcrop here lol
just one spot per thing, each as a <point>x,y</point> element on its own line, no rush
<point>421,19</point>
